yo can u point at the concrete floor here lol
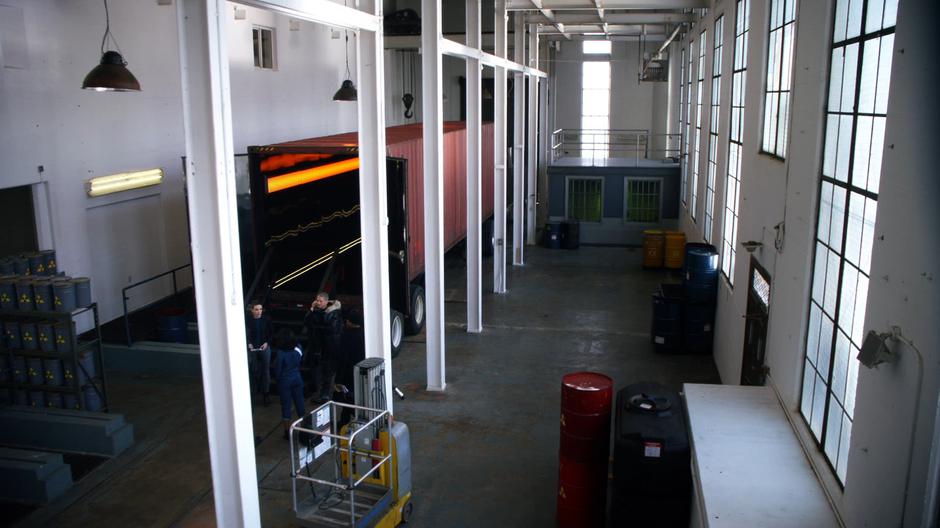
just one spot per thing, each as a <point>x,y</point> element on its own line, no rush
<point>485,451</point>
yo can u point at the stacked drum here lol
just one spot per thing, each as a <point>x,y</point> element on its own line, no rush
<point>701,290</point>
<point>38,359</point>
<point>585,449</point>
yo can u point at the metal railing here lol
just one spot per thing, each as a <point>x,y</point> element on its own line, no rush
<point>127,323</point>
<point>625,145</point>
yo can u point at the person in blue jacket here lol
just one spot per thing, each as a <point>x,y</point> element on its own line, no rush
<point>290,385</point>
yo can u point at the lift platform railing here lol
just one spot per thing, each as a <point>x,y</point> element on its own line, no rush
<point>127,323</point>
<point>631,144</point>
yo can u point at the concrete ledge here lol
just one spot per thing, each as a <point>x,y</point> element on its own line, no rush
<point>32,477</point>
<point>64,430</point>
<point>172,359</point>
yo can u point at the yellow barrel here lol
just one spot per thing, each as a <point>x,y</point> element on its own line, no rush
<point>675,249</point>
<point>653,248</point>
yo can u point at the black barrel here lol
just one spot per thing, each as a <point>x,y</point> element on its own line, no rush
<point>571,234</point>
<point>699,327</point>
<point>668,311</point>
<point>701,272</point>
<point>652,476</point>
<point>554,236</point>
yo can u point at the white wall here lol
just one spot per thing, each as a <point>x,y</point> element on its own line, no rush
<point>904,290</point>
<point>46,119</point>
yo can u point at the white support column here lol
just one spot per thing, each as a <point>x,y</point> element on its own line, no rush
<point>373,197</point>
<point>518,142</point>
<point>474,194</point>
<point>432,108</point>
<point>499,153</point>
<point>532,150</point>
<point>545,155</point>
<point>210,184</point>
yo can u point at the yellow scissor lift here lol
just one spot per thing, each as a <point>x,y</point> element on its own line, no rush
<point>375,493</point>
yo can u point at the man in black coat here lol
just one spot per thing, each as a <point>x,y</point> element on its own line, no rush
<point>259,332</point>
<point>323,325</point>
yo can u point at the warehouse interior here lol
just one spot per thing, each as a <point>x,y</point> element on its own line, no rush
<point>762,129</point>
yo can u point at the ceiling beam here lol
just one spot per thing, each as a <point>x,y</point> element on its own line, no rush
<point>549,16</point>
<point>557,5</point>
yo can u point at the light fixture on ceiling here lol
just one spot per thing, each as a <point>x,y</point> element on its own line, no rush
<point>123,181</point>
<point>347,91</point>
<point>111,74</point>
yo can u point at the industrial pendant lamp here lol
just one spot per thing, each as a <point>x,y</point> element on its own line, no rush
<point>347,91</point>
<point>111,75</point>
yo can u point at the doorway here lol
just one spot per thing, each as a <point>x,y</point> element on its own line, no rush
<point>20,233</point>
<point>753,370</point>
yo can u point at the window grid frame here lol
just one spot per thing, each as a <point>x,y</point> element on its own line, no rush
<point>729,237</point>
<point>684,190</point>
<point>849,187</point>
<point>258,49</point>
<point>599,149</point>
<point>657,183</point>
<point>779,148</point>
<point>713,124</point>
<point>682,139</point>
<point>703,44</point>
<point>573,179</point>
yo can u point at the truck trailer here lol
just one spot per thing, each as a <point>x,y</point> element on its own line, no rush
<point>303,230</point>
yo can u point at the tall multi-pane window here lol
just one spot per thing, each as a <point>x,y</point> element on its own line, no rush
<point>682,96</point>
<point>713,130</point>
<point>684,191</point>
<point>859,77</point>
<point>779,75</point>
<point>595,99</point>
<point>729,237</point>
<point>698,121</point>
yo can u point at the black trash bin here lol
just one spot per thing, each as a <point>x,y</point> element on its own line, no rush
<point>652,475</point>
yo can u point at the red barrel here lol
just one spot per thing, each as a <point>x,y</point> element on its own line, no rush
<point>584,449</point>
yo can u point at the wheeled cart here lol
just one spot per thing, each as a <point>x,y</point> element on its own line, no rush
<point>353,475</point>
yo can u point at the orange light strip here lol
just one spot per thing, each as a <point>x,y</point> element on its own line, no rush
<point>280,161</point>
<point>293,179</point>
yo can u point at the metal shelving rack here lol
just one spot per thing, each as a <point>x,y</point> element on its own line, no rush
<point>73,386</point>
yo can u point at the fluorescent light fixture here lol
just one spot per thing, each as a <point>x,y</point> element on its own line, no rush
<point>293,179</point>
<point>123,181</point>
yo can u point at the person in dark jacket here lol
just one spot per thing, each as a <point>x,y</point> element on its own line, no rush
<point>323,325</point>
<point>259,332</point>
<point>290,385</point>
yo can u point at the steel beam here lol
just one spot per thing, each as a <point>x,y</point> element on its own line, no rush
<point>432,108</point>
<point>474,194</point>
<point>518,155</point>
<point>456,49</point>
<point>499,152</point>
<point>210,187</point>
<point>321,12</point>
<point>373,198</point>
<point>532,149</point>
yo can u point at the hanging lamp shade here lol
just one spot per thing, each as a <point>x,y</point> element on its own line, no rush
<point>111,75</point>
<point>346,92</point>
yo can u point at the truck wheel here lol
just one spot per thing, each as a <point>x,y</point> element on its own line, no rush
<point>416,321</point>
<point>397,327</point>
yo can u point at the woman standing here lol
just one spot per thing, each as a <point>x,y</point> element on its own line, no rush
<point>290,385</point>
